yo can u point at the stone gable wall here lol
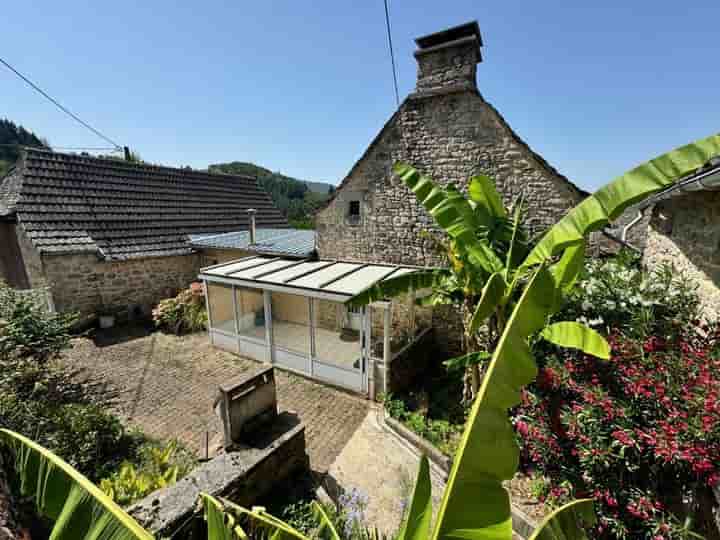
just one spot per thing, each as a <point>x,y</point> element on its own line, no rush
<point>450,137</point>
<point>84,283</point>
<point>684,232</point>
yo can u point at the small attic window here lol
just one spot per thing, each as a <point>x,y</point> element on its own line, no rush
<point>354,212</point>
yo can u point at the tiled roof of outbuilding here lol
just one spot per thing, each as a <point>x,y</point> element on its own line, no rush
<point>78,203</point>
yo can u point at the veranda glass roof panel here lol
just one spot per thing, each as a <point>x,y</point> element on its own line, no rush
<point>288,274</point>
<point>360,280</point>
<point>329,280</point>
<point>258,271</point>
<point>318,280</point>
<point>229,268</point>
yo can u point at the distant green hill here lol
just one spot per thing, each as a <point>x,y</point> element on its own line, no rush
<point>297,199</point>
<point>13,134</point>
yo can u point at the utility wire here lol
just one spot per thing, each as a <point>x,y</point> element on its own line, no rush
<point>392,54</point>
<point>58,105</point>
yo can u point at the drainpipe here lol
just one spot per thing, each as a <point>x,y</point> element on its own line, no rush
<point>251,212</point>
<point>626,228</point>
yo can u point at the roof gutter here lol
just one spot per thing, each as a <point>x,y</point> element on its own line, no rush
<point>704,180</point>
<point>707,180</point>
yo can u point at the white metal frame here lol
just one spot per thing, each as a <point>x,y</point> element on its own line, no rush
<point>361,380</point>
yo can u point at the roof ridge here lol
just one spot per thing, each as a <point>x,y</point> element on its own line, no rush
<point>119,163</point>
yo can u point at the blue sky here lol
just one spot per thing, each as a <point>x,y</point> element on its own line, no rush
<point>302,87</point>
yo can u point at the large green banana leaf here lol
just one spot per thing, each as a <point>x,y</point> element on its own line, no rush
<point>454,214</point>
<point>417,522</point>
<point>225,521</point>
<point>482,191</point>
<point>220,525</point>
<point>610,201</point>
<point>492,295</point>
<point>394,286</point>
<point>78,508</point>
<point>573,335</point>
<point>326,529</point>
<point>566,522</point>
<point>475,505</point>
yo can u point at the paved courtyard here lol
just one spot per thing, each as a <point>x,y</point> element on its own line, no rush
<point>166,385</point>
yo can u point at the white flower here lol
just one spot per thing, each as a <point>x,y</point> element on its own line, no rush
<point>595,322</point>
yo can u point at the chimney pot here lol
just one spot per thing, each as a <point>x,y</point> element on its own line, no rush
<point>251,212</point>
<point>449,58</point>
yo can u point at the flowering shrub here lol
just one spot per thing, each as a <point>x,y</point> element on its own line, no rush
<point>640,433</point>
<point>617,293</point>
<point>184,313</point>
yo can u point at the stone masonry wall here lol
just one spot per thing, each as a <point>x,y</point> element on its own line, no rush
<point>84,283</point>
<point>31,259</point>
<point>684,232</point>
<point>450,137</point>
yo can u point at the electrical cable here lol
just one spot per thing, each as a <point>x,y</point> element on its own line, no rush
<point>392,53</point>
<point>59,105</point>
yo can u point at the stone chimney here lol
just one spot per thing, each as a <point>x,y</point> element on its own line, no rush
<point>448,59</point>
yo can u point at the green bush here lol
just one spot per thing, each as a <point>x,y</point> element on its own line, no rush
<point>42,401</point>
<point>184,313</point>
<point>441,433</point>
<point>158,467</point>
<point>28,330</point>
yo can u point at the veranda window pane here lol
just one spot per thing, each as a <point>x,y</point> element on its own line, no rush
<point>222,309</point>
<point>337,334</point>
<point>251,313</point>
<point>291,322</point>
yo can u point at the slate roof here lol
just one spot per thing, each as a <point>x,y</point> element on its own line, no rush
<point>71,203</point>
<point>289,242</point>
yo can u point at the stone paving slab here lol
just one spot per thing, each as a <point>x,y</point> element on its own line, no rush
<point>166,386</point>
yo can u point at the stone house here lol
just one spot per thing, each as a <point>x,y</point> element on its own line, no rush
<point>681,226</point>
<point>448,131</point>
<point>104,233</point>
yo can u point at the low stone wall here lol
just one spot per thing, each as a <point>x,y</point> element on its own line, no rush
<point>242,475</point>
<point>84,283</point>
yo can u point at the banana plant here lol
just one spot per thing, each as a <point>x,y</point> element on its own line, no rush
<point>490,257</point>
<point>475,505</point>
<point>78,508</point>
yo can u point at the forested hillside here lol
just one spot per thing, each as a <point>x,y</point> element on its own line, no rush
<point>10,135</point>
<point>297,199</point>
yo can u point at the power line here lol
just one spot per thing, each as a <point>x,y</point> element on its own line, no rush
<point>392,54</point>
<point>58,105</point>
